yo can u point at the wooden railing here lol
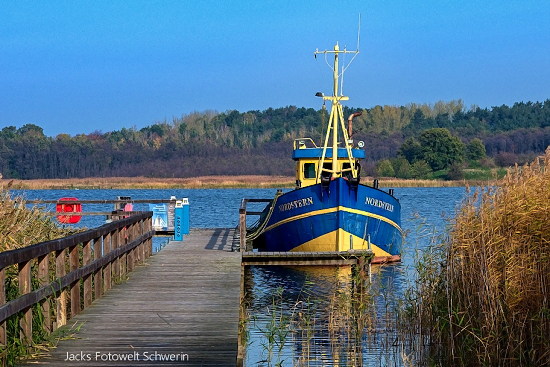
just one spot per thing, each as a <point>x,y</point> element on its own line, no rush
<point>74,270</point>
<point>243,212</point>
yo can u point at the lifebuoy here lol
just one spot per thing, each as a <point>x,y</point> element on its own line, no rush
<point>128,207</point>
<point>68,208</point>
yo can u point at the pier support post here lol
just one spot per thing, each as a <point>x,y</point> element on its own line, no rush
<point>241,343</point>
<point>242,227</point>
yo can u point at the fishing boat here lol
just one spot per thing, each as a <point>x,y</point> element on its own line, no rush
<point>330,209</point>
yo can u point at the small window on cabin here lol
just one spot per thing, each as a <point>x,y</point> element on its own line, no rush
<point>309,170</point>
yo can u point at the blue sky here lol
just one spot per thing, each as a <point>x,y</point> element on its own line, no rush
<point>80,66</point>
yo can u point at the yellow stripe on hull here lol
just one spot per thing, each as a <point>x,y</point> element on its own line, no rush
<point>339,240</point>
<point>332,210</point>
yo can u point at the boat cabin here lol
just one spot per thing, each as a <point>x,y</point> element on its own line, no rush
<point>308,157</point>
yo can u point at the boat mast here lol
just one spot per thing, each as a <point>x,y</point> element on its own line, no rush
<point>336,120</point>
<point>335,103</point>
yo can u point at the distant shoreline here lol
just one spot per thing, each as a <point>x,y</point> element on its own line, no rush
<point>204,182</point>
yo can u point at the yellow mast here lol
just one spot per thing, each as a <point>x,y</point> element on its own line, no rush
<point>336,121</point>
<point>335,130</point>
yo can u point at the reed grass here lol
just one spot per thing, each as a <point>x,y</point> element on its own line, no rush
<point>202,182</point>
<point>397,182</point>
<point>482,294</point>
<point>21,226</point>
<point>351,318</point>
<point>209,182</point>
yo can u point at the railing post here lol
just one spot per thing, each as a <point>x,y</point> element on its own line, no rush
<point>141,246</point>
<point>86,260</point>
<point>135,231</point>
<point>24,279</point>
<point>61,300</point>
<point>3,338</point>
<point>75,287</point>
<point>123,240</point>
<point>44,279</point>
<point>115,243</point>
<point>148,228</point>
<point>98,276</point>
<point>130,254</point>
<point>107,268</point>
<point>242,225</point>
<point>135,251</point>
<point>143,230</point>
<point>137,256</point>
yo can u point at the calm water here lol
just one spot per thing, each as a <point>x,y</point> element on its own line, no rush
<point>310,316</point>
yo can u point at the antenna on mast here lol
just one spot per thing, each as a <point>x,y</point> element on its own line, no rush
<point>358,31</point>
<point>344,68</point>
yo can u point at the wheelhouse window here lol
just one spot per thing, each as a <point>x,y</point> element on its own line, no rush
<point>309,170</point>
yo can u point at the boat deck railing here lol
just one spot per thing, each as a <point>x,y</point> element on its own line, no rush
<point>243,213</point>
<point>301,143</point>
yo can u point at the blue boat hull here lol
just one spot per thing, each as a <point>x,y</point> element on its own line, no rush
<point>339,217</point>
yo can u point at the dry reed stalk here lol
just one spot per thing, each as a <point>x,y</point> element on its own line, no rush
<point>248,181</point>
<point>157,183</point>
<point>21,226</point>
<point>487,298</point>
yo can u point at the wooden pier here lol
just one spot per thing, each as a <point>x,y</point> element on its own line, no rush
<point>180,309</point>
<point>358,257</point>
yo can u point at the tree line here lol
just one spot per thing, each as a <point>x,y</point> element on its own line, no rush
<point>260,142</point>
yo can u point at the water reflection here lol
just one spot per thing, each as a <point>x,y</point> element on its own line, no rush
<point>321,316</point>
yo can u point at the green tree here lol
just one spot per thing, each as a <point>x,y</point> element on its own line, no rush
<point>411,150</point>
<point>385,168</point>
<point>455,172</point>
<point>420,169</point>
<point>8,132</point>
<point>440,149</point>
<point>402,168</point>
<point>475,150</point>
<point>31,130</point>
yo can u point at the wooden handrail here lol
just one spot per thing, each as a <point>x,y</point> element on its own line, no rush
<point>20,255</point>
<point>242,219</point>
<point>98,257</point>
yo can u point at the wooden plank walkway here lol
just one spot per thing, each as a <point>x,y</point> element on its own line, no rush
<point>184,302</point>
